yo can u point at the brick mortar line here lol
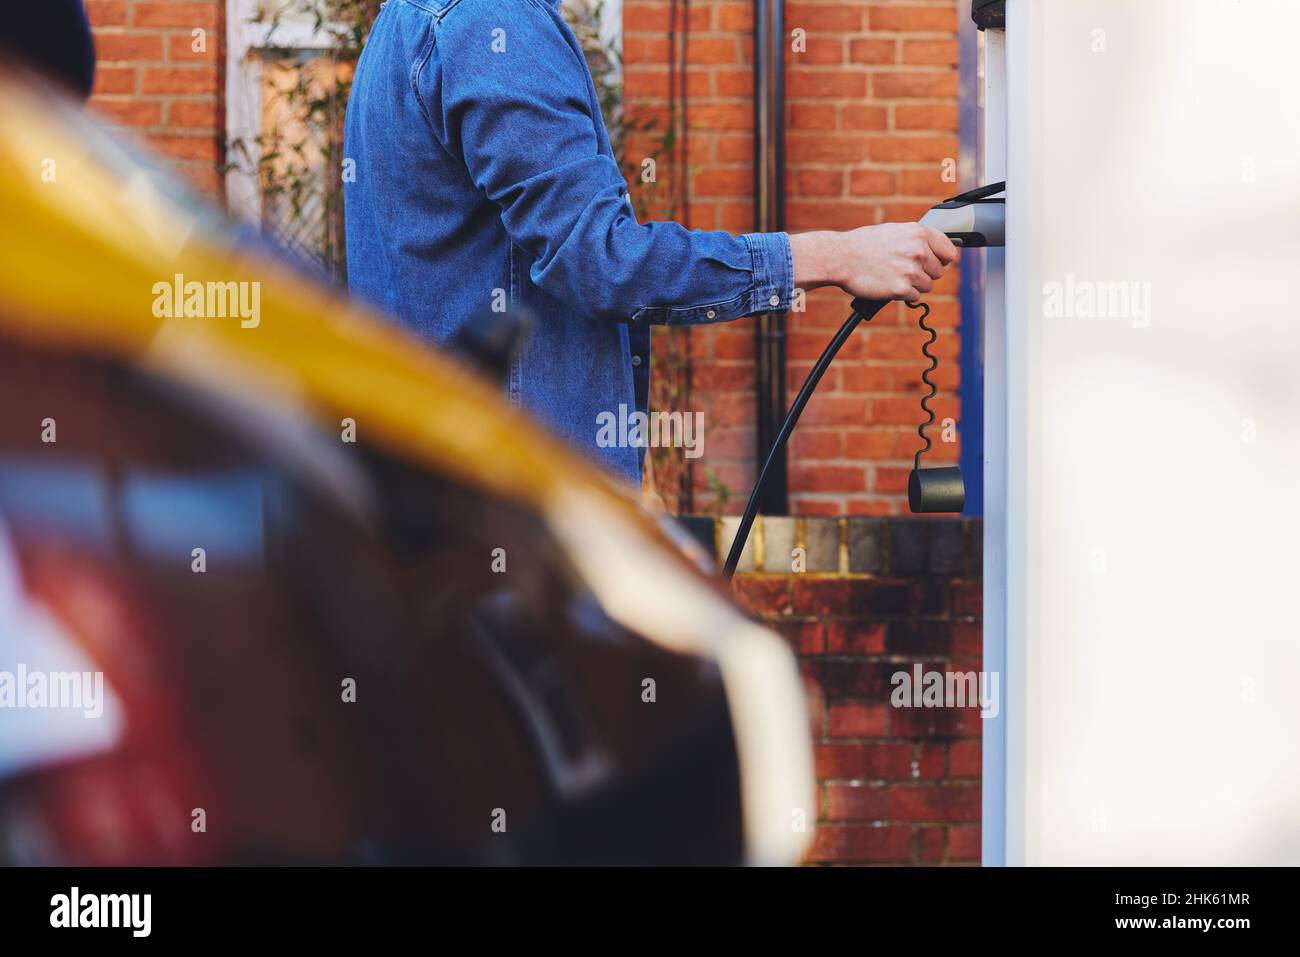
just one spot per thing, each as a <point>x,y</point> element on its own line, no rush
<point>153,97</point>
<point>937,742</point>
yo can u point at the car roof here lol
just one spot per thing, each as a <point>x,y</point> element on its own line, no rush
<point>90,231</point>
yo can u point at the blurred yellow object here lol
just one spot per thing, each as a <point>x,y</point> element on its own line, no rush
<point>99,255</point>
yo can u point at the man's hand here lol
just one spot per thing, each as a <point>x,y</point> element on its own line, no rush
<point>890,261</point>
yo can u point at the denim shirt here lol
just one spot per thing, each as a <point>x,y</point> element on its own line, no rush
<point>484,178</point>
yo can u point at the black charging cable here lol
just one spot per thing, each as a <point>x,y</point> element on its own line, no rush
<point>864,310</point>
<point>925,377</point>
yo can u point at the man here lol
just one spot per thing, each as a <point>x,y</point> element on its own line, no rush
<point>485,178</point>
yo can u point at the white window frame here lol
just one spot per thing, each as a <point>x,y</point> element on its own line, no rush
<point>245,42</point>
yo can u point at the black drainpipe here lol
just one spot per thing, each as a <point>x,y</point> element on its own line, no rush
<point>769,215</point>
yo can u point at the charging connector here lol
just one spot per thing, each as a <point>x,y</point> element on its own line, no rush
<point>972,219</point>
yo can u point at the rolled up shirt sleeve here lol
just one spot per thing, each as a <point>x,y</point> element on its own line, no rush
<point>512,99</point>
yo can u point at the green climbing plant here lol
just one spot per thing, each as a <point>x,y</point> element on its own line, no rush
<point>298,157</point>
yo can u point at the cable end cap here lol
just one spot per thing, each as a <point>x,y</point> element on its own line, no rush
<point>936,490</point>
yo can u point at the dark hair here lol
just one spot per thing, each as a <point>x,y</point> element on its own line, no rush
<point>53,36</point>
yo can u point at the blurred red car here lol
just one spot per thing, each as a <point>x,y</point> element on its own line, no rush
<point>231,634</point>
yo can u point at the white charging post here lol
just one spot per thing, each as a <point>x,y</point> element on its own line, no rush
<point>1142,434</point>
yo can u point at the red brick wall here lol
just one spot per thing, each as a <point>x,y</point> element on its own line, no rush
<point>895,785</point>
<point>150,80</point>
<point>871,117</point>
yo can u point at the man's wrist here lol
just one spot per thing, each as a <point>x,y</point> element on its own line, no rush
<point>816,259</point>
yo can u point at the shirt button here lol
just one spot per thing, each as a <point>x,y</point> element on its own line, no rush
<point>775,300</point>
<point>711,314</point>
<point>636,360</point>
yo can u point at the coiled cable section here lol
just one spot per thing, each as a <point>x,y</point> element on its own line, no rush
<point>925,377</point>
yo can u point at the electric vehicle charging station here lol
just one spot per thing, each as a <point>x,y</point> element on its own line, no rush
<point>1141,335</point>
